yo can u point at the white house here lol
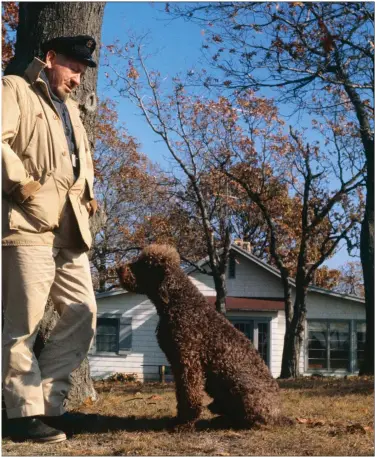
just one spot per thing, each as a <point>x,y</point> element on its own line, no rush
<point>125,340</point>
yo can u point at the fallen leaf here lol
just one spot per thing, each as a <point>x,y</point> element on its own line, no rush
<point>301,420</point>
<point>155,397</point>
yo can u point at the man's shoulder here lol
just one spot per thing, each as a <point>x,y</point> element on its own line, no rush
<point>16,82</point>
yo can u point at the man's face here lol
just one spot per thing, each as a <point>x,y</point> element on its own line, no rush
<point>64,73</point>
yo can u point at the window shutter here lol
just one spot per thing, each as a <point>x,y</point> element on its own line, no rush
<point>125,335</point>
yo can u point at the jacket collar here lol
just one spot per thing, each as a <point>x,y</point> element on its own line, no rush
<point>54,97</point>
<point>32,72</point>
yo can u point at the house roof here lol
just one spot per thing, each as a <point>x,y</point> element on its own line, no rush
<point>260,263</point>
<point>250,304</point>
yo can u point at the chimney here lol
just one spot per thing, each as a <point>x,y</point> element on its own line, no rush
<point>245,245</point>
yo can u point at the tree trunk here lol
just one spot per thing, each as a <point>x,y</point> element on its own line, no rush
<point>293,338</point>
<point>287,357</point>
<point>367,259</point>
<point>367,227</point>
<point>39,22</point>
<point>221,292</point>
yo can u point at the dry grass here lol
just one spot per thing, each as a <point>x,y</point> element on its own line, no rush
<point>333,417</point>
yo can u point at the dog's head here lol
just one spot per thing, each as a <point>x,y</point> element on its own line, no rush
<point>147,272</point>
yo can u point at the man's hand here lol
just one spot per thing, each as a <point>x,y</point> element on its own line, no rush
<point>25,192</point>
<point>92,207</point>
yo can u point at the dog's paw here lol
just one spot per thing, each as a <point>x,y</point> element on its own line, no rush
<point>179,426</point>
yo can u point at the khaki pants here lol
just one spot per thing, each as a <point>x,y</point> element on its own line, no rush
<point>30,275</point>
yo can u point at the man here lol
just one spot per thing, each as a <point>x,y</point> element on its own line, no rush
<point>47,183</point>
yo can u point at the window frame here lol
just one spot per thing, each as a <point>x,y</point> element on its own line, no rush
<point>119,317</point>
<point>353,362</point>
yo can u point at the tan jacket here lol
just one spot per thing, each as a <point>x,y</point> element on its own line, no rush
<point>34,147</point>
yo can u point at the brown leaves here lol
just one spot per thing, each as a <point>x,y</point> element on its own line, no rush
<point>9,23</point>
<point>133,73</point>
<point>310,422</point>
<point>337,427</point>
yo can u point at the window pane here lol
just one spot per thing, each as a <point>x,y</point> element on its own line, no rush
<point>339,345</point>
<point>107,335</point>
<point>317,345</point>
<point>246,328</point>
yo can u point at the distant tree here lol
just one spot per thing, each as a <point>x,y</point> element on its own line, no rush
<point>137,205</point>
<point>187,135</point>
<point>306,229</point>
<point>351,279</point>
<point>326,278</point>
<point>320,57</point>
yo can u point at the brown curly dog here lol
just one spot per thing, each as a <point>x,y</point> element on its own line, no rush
<point>204,349</point>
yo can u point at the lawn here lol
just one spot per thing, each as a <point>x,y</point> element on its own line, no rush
<point>332,417</point>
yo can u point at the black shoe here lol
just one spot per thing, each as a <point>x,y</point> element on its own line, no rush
<point>32,428</point>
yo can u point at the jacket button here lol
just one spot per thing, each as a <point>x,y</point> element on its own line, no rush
<point>55,116</point>
<point>64,153</point>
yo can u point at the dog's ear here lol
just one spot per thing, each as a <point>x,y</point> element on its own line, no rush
<point>161,255</point>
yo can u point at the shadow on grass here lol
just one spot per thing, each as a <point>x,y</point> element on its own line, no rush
<point>96,423</point>
<point>329,388</point>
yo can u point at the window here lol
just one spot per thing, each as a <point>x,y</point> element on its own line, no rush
<point>257,331</point>
<point>113,335</point>
<point>317,344</point>
<point>335,346</point>
<point>339,346</point>
<point>107,335</point>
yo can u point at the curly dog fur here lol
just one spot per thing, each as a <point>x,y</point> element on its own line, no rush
<point>205,351</point>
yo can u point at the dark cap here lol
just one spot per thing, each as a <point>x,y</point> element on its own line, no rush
<point>78,47</point>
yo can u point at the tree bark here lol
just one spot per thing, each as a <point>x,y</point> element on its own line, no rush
<point>367,260</point>
<point>221,292</point>
<point>367,227</point>
<point>293,338</point>
<point>39,22</point>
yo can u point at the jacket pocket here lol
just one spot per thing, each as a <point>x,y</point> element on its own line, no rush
<point>40,214</point>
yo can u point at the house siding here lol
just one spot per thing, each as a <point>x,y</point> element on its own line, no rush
<point>251,280</point>
<point>145,356</point>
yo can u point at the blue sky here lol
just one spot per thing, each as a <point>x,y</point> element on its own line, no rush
<point>176,44</point>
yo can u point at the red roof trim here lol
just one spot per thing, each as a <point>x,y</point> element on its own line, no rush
<point>250,304</point>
